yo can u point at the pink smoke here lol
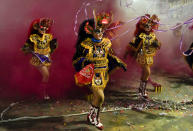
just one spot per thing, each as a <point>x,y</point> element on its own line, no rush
<point>19,79</point>
<point>169,58</point>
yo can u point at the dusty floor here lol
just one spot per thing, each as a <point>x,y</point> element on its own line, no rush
<point>171,110</point>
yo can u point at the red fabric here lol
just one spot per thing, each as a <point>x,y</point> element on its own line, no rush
<point>191,27</point>
<point>31,26</point>
<point>84,77</point>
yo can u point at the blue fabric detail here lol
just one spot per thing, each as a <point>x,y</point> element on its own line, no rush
<point>42,58</point>
<point>100,67</point>
<point>86,51</point>
<point>188,52</point>
<point>81,60</point>
<point>97,74</point>
<point>94,55</point>
<point>95,40</point>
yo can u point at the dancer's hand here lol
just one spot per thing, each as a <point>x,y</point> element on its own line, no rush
<point>123,66</point>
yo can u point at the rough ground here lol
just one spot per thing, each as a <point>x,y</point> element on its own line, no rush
<point>171,110</point>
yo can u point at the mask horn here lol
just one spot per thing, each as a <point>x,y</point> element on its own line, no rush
<point>95,18</point>
<point>111,18</point>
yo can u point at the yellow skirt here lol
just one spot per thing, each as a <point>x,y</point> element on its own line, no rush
<point>100,79</point>
<point>36,62</point>
<point>144,59</point>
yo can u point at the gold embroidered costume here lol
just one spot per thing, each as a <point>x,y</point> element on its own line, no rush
<point>148,48</point>
<point>93,61</point>
<point>41,46</point>
<point>144,47</point>
<point>97,53</point>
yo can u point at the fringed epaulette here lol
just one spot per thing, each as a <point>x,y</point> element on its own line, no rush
<point>87,43</point>
<point>107,42</point>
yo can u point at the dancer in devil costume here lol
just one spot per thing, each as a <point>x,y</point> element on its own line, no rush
<point>94,60</point>
<point>188,55</point>
<point>143,47</point>
<point>41,44</point>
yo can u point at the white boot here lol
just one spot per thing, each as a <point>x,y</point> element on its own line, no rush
<point>46,97</point>
<point>142,89</point>
<point>90,118</point>
<point>43,91</point>
<point>97,122</point>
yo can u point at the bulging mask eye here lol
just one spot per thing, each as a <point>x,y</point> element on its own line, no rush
<point>46,28</point>
<point>144,20</point>
<point>43,28</point>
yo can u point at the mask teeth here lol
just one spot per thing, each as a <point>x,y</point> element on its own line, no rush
<point>105,21</point>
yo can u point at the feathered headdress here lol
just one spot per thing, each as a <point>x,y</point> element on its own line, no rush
<point>153,20</point>
<point>147,19</point>
<point>41,23</point>
<point>101,20</point>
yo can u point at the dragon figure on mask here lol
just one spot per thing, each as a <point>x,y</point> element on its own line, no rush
<point>41,45</point>
<point>94,60</point>
<point>144,47</point>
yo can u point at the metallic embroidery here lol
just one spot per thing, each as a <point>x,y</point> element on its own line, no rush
<point>41,44</point>
<point>98,55</point>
